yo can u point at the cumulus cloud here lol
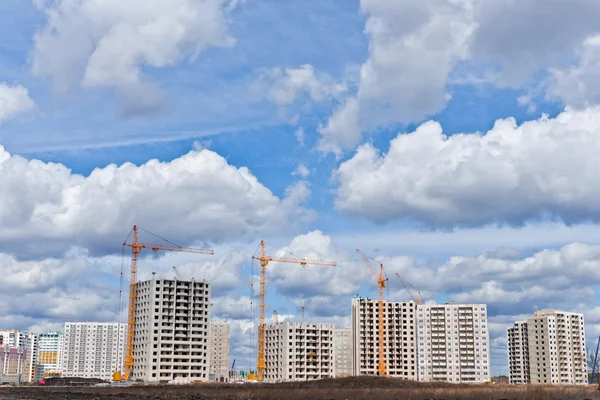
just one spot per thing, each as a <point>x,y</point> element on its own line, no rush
<point>45,208</point>
<point>540,169</point>
<point>413,46</point>
<point>289,84</point>
<point>578,86</point>
<point>521,47</point>
<point>302,171</point>
<point>14,100</point>
<point>109,43</point>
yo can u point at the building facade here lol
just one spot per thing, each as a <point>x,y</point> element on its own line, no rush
<point>453,343</point>
<point>93,349</point>
<point>556,351</point>
<point>49,357</point>
<point>298,351</point>
<point>219,350</point>
<point>400,338</point>
<point>27,341</point>
<point>342,352</point>
<point>518,353</point>
<point>172,331</point>
<point>13,364</point>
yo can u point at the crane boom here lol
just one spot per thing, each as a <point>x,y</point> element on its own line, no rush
<point>264,261</point>
<point>381,282</point>
<point>136,248</point>
<point>417,299</point>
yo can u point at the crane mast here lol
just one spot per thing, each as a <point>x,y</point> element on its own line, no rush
<point>136,248</point>
<point>264,261</point>
<point>381,282</point>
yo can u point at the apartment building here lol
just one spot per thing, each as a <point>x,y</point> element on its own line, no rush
<point>219,350</point>
<point>555,348</point>
<point>172,331</point>
<point>342,352</point>
<point>13,364</point>
<point>27,341</point>
<point>297,351</point>
<point>518,353</point>
<point>49,357</point>
<point>399,334</point>
<point>453,343</point>
<point>93,349</point>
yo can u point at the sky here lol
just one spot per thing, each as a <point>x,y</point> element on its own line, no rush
<point>454,141</point>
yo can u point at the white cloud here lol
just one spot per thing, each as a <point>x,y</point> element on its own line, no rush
<point>108,43</point>
<point>198,196</point>
<point>301,171</point>
<point>289,84</point>
<point>413,46</point>
<point>578,85</point>
<point>511,174</point>
<point>14,100</point>
<point>300,136</point>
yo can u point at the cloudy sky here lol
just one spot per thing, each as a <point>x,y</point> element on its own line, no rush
<point>453,140</point>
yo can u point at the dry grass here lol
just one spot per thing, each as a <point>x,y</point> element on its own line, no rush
<point>331,389</point>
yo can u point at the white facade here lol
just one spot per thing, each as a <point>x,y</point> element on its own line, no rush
<point>453,342</point>
<point>219,350</point>
<point>171,341</point>
<point>298,351</point>
<point>49,356</point>
<point>400,338</point>
<point>342,352</point>
<point>93,349</point>
<point>556,348</point>
<point>518,354</point>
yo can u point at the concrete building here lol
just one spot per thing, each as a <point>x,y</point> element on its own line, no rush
<point>518,353</point>
<point>49,357</point>
<point>29,342</point>
<point>172,331</point>
<point>219,350</point>
<point>453,343</point>
<point>297,351</point>
<point>400,338</point>
<point>13,364</point>
<point>93,349</point>
<point>342,352</point>
<point>555,346</point>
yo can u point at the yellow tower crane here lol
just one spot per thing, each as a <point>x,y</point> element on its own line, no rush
<point>381,282</point>
<point>136,248</point>
<point>264,261</point>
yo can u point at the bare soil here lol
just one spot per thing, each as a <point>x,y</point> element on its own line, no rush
<point>367,388</point>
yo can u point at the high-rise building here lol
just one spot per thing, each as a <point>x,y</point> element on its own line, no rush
<point>49,355</point>
<point>518,353</point>
<point>399,333</point>
<point>453,343</point>
<point>93,349</point>
<point>556,354</point>
<point>219,350</point>
<point>28,341</point>
<point>342,352</point>
<point>297,351</point>
<point>172,331</point>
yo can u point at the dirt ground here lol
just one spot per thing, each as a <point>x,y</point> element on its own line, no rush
<point>373,388</point>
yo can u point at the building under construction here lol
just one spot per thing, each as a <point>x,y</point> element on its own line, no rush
<point>171,337</point>
<point>400,340</point>
<point>297,351</point>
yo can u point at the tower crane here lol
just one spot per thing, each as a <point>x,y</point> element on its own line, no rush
<point>176,273</point>
<point>264,261</point>
<point>136,248</point>
<point>418,299</point>
<point>381,282</point>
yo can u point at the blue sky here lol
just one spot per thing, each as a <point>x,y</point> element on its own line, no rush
<point>219,97</point>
